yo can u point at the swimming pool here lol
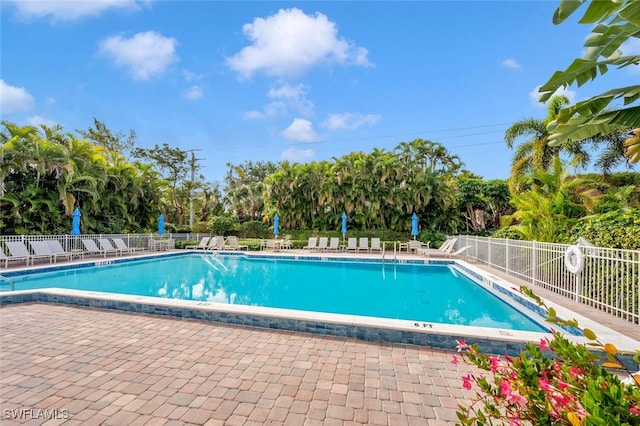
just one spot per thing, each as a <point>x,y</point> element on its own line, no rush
<point>423,293</point>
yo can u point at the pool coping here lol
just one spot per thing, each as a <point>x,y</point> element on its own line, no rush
<point>428,334</point>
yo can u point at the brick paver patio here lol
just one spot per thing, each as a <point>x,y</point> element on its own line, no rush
<point>92,367</point>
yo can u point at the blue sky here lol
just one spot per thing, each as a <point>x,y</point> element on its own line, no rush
<point>298,81</point>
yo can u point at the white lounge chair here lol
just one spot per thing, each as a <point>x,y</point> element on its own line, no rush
<point>106,245</point>
<point>334,244</point>
<point>312,244</point>
<point>58,251</point>
<point>216,243</point>
<point>41,250</point>
<point>458,252</point>
<point>352,244</point>
<point>234,244</point>
<point>18,249</point>
<point>323,243</point>
<point>363,244</point>
<point>10,258</point>
<point>123,247</point>
<point>204,242</point>
<point>90,247</point>
<point>375,245</point>
<point>443,250</point>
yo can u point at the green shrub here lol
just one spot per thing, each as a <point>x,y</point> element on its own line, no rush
<point>616,229</point>
<point>253,229</point>
<point>507,232</point>
<point>223,225</point>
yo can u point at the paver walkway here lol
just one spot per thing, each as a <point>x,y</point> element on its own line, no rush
<point>91,367</point>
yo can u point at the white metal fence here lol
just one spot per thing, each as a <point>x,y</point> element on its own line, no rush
<point>609,279</point>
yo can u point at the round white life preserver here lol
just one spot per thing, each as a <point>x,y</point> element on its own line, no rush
<point>574,259</point>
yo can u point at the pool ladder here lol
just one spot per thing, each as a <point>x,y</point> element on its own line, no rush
<point>5,281</point>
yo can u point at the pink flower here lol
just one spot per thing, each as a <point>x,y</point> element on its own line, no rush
<point>545,385</point>
<point>544,344</point>
<point>512,396</point>
<point>454,360</point>
<point>575,373</point>
<point>562,385</point>
<point>495,363</point>
<point>635,410</point>
<point>461,345</point>
<point>466,381</point>
<point>505,386</point>
<point>515,398</point>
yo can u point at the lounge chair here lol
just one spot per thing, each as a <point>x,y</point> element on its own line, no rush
<point>444,249</point>
<point>90,247</point>
<point>458,252</point>
<point>216,243</point>
<point>334,244</point>
<point>7,259</point>
<point>57,250</point>
<point>312,244</point>
<point>106,245</point>
<point>18,249</point>
<point>363,244</point>
<point>323,243</point>
<point>123,247</point>
<point>204,242</point>
<point>41,250</point>
<point>414,246</point>
<point>352,244</point>
<point>234,244</point>
<point>375,245</point>
<point>273,244</point>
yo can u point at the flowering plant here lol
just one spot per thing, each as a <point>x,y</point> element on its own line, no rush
<point>555,382</point>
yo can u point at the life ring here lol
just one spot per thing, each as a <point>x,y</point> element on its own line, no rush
<point>574,259</point>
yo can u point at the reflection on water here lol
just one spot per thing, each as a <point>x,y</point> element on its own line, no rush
<point>412,292</point>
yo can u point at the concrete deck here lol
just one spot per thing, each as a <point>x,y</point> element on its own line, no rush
<point>107,368</point>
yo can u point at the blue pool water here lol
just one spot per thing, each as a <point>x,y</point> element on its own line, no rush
<point>431,293</point>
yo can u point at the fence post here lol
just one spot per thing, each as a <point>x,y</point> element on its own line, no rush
<point>506,255</point>
<point>534,261</point>
<point>489,251</point>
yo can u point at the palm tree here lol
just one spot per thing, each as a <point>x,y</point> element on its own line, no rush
<point>536,154</point>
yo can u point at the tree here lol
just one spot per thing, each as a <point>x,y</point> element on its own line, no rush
<point>550,207</point>
<point>244,188</point>
<point>173,165</point>
<point>113,142</point>
<point>616,22</point>
<point>536,154</point>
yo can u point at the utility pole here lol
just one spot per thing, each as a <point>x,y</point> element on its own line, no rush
<point>193,178</point>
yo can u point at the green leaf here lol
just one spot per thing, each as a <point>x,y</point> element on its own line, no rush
<point>566,8</point>
<point>589,334</point>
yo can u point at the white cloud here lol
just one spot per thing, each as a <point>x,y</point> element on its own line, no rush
<point>290,42</point>
<point>510,63</point>
<point>145,54</point>
<point>190,76</point>
<point>294,96</point>
<point>270,110</point>
<point>349,121</point>
<point>37,120</point>
<point>297,155</point>
<point>193,93</point>
<point>287,97</point>
<point>66,10</point>
<point>534,96</point>
<point>14,99</point>
<point>300,130</point>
